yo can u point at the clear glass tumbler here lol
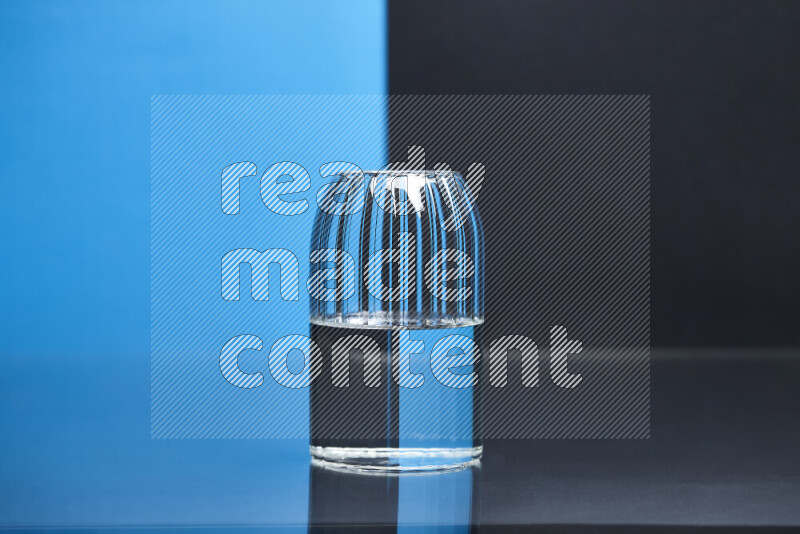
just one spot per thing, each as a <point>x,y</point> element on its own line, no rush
<point>396,286</point>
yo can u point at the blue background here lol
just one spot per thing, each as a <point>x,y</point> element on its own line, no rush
<point>193,140</point>
<point>75,386</point>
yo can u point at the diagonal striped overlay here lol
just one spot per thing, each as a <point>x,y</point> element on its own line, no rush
<point>207,156</point>
<point>565,203</point>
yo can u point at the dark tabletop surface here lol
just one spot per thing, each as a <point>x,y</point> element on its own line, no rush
<point>723,452</point>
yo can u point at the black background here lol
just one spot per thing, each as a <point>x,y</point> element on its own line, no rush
<point>724,80</point>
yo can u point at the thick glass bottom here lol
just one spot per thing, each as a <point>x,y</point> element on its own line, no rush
<point>396,460</point>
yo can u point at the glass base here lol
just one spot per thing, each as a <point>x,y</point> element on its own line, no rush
<point>395,460</point>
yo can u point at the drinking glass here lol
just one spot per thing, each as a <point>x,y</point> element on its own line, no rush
<point>396,285</point>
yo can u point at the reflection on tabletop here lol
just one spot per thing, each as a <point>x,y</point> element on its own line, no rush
<point>442,502</point>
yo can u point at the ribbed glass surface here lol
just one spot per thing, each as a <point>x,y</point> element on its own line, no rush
<point>414,251</point>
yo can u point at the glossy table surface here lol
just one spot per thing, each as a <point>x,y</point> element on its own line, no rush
<point>723,452</point>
